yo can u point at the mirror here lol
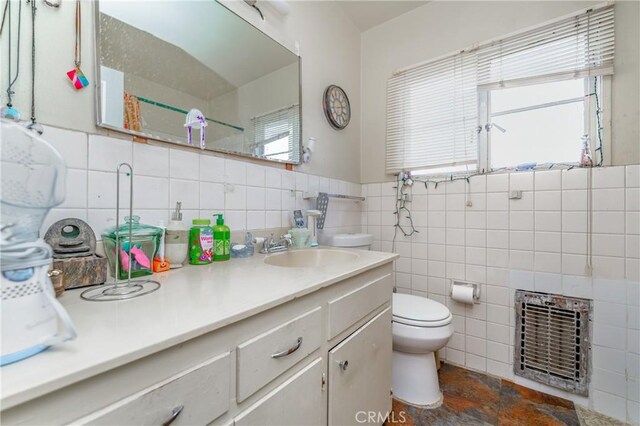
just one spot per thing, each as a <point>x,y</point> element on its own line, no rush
<point>158,62</point>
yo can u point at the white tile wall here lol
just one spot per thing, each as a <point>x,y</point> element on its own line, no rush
<point>538,242</point>
<point>251,196</point>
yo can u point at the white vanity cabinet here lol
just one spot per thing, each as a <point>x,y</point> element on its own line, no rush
<point>279,366</point>
<point>354,382</point>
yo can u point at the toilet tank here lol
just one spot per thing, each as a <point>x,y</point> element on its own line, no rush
<point>356,241</point>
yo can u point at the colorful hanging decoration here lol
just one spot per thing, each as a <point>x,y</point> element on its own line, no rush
<point>77,77</point>
<point>132,112</point>
<point>196,120</point>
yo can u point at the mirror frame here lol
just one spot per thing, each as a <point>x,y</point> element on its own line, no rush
<point>144,135</point>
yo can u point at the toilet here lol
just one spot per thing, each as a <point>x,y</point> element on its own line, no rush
<point>355,241</point>
<point>420,327</point>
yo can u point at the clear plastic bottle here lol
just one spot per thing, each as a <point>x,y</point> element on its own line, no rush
<point>586,160</point>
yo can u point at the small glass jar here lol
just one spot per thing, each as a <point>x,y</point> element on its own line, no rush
<point>136,254</point>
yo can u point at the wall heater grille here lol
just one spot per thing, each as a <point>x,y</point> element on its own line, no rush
<point>553,340</point>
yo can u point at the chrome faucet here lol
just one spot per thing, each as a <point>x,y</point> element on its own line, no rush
<point>271,245</point>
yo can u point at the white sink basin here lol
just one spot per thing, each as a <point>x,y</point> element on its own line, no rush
<point>311,258</point>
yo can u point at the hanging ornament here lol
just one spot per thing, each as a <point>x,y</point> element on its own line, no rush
<point>77,77</point>
<point>196,120</point>
<point>33,125</point>
<point>8,111</point>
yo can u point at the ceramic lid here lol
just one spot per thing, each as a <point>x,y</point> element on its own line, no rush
<point>351,240</point>
<point>418,309</point>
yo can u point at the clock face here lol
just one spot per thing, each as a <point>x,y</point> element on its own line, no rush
<point>336,107</point>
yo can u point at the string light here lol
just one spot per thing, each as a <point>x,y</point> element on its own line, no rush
<point>401,207</point>
<point>598,121</point>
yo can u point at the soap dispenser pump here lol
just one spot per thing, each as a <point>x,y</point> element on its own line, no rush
<point>222,240</point>
<point>176,239</point>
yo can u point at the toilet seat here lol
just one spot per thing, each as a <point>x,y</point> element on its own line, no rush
<point>419,311</point>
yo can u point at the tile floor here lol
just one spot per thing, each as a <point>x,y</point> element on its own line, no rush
<point>472,398</point>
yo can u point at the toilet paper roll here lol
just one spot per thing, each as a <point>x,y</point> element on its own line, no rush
<point>462,293</point>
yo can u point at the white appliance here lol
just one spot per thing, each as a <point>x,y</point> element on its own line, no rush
<point>30,311</point>
<point>33,181</point>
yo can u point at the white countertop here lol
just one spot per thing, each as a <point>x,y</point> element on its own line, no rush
<point>191,301</point>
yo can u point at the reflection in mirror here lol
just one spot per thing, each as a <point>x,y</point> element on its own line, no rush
<point>158,62</point>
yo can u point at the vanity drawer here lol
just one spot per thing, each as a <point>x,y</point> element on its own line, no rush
<point>201,391</point>
<point>265,357</point>
<point>296,402</point>
<point>346,310</point>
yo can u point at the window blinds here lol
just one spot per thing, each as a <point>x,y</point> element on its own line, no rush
<point>432,115</point>
<point>276,126</point>
<point>432,108</point>
<point>572,47</point>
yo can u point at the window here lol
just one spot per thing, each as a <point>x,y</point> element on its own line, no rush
<point>539,123</point>
<point>529,97</point>
<point>276,135</point>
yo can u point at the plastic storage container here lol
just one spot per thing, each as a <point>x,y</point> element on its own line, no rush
<point>243,250</point>
<point>137,253</point>
<point>201,242</point>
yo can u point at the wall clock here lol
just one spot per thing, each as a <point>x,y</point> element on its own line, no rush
<point>336,107</point>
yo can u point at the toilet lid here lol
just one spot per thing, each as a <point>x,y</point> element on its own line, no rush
<point>419,311</point>
<point>351,240</point>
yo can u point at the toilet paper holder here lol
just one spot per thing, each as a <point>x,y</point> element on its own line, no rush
<point>476,289</point>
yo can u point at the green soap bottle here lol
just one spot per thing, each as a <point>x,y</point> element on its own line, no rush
<point>222,240</point>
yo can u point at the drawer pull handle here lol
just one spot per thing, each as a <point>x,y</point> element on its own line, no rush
<point>343,365</point>
<point>174,415</point>
<point>288,351</point>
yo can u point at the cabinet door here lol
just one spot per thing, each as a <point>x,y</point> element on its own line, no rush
<point>296,402</point>
<point>360,374</point>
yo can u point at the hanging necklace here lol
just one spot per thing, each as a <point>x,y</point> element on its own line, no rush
<point>9,112</point>
<point>76,75</point>
<point>36,127</point>
<point>4,16</point>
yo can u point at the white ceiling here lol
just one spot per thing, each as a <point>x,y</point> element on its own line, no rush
<point>367,14</point>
